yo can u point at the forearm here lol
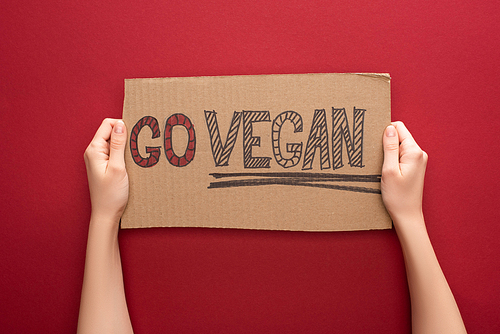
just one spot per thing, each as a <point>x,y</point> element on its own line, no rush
<point>434,309</point>
<point>103,306</point>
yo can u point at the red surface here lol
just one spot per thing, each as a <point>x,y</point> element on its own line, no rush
<point>62,66</point>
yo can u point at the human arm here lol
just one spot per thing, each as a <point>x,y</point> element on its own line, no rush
<point>103,307</point>
<point>433,306</point>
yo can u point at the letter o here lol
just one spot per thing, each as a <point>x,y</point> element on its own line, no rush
<point>174,159</point>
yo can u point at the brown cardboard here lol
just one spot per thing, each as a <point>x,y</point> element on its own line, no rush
<point>246,124</point>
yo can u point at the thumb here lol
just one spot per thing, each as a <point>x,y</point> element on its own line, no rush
<point>117,145</point>
<point>391,148</point>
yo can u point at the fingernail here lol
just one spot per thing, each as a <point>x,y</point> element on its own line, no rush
<point>119,127</point>
<point>391,131</point>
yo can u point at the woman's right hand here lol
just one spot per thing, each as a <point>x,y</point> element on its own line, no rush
<point>403,174</point>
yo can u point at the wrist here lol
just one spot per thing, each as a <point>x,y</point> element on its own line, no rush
<point>106,211</point>
<point>410,228</point>
<point>104,223</point>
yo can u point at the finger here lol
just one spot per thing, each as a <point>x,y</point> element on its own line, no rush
<point>105,129</point>
<point>117,145</point>
<point>405,137</point>
<point>98,149</point>
<point>403,132</point>
<point>391,148</point>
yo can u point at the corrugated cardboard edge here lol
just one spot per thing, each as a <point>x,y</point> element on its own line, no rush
<point>382,76</point>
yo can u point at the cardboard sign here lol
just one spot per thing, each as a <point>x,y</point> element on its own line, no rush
<point>281,152</point>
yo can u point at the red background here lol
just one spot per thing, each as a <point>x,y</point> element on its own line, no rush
<point>62,66</point>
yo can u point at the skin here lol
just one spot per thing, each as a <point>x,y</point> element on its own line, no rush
<point>103,307</point>
<point>433,307</point>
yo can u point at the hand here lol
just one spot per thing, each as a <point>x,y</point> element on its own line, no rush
<point>402,175</point>
<point>107,176</point>
<point>433,306</point>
